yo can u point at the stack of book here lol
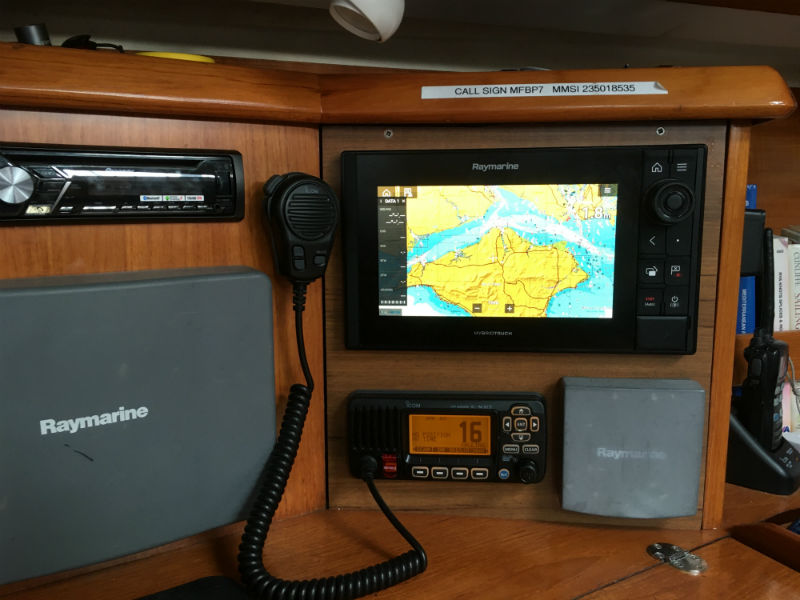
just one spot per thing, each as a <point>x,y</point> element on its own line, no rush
<point>786,252</point>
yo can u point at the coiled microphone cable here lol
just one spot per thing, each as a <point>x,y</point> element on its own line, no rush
<point>258,581</point>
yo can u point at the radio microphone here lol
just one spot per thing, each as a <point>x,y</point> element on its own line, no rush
<point>301,212</point>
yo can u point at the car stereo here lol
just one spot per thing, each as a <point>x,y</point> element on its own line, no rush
<point>587,249</point>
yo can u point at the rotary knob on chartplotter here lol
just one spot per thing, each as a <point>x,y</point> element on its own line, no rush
<point>16,185</point>
<point>671,201</point>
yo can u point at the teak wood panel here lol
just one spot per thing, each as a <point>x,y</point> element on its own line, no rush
<point>468,559</point>
<point>41,250</point>
<point>348,370</point>
<point>692,93</point>
<point>724,330</point>
<point>52,78</point>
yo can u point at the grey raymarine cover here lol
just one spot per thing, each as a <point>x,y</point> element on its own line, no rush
<point>135,409</point>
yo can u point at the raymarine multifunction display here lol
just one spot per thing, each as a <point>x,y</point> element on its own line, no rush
<point>553,249</point>
<point>74,184</point>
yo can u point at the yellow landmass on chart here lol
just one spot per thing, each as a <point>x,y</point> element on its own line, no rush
<point>579,202</point>
<point>503,275</point>
<point>443,207</point>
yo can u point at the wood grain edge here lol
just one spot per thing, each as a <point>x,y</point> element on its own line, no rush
<point>693,93</point>
<point>725,318</point>
<point>55,78</point>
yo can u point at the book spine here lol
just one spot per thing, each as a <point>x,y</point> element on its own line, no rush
<point>780,246</point>
<point>794,286</point>
<point>746,314</point>
<point>750,196</point>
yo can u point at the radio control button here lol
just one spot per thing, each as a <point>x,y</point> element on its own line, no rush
<point>534,424</point>
<point>51,186</point>
<point>651,239</point>
<point>679,238</point>
<point>46,172</point>
<point>530,449</point>
<point>16,185</point>
<point>520,424</point>
<point>479,473</point>
<point>683,165</point>
<point>507,424</point>
<point>520,410</point>
<point>459,473</point>
<point>510,448</point>
<point>503,473</point>
<point>656,166</point>
<point>676,271</point>
<point>420,472</point>
<point>521,437</point>
<point>651,271</point>
<point>439,472</point>
<point>650,302</point>
<point>676,301</point>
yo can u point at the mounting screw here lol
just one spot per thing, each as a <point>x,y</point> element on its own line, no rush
<point>661,131</point>
<point>388,133</point>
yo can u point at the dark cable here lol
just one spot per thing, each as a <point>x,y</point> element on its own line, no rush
<point>258,581</point>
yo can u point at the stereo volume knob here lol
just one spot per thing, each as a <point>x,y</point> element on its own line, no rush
<point>16,185</point>
<point>671,201</point>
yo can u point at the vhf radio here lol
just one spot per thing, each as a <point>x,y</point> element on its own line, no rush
<point>455,436</point>
<point>760,408</point>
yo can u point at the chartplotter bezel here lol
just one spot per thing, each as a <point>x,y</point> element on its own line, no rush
<point>656,215</point>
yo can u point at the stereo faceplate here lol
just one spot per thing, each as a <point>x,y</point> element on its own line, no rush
<point>76,184</point>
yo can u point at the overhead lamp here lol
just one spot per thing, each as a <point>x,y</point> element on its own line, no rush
<point>375,20</point>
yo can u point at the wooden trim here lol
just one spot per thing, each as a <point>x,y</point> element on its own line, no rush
<point>724,330</point>
<point>109,82</point>
<point>52,78</point>
<point>694,93</point>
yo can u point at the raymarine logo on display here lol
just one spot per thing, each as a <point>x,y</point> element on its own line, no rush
<point>496,333</point>
<point>615,454</point>
<point>48,426</point>
<point>495,167</point>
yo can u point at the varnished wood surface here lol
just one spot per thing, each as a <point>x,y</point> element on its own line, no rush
<point>775,169</point>
<point>724,332</point>
<point>348,370</point>
<point>744,506</point>
<point>469,558</point>
<point>48,78</point>
<point>694,93</point>
<point>33,251</point>
<point>734,571</point>
<point>109,82</point>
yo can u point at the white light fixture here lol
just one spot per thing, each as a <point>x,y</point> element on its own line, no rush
<point>375,20</point>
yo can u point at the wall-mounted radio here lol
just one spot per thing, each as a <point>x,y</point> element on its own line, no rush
<point>455,436</point>
<point>79,184</point>
<point>584,249</point>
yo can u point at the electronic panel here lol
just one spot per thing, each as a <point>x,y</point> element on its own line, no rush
<point>554,249</point>
<point>80,184</point>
